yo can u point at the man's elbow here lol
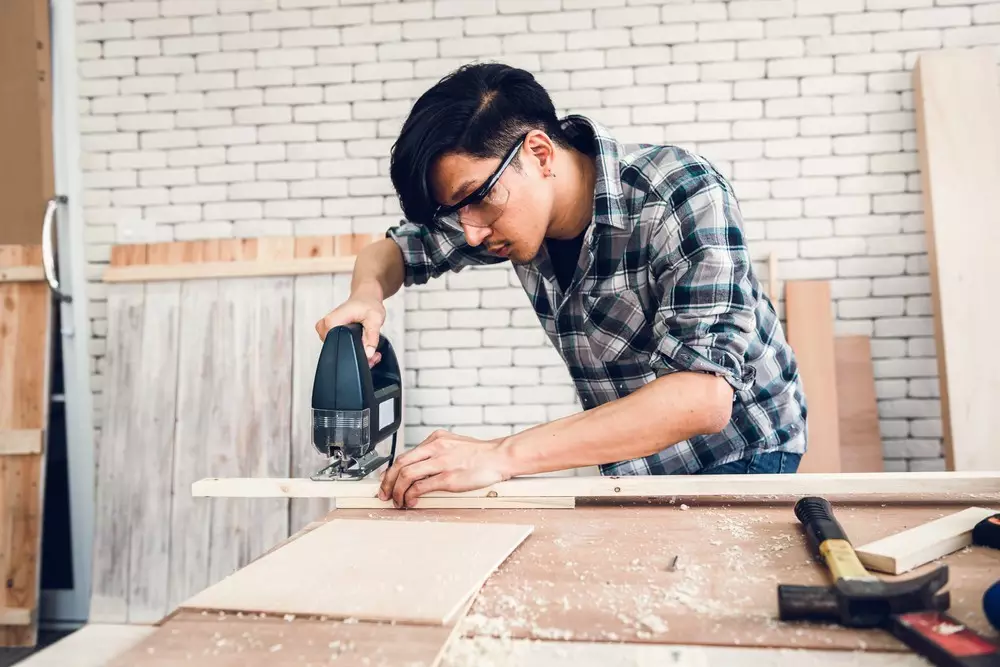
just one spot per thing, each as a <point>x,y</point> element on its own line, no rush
<point>718,404</point>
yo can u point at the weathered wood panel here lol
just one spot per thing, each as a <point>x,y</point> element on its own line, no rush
<point>206,377</point>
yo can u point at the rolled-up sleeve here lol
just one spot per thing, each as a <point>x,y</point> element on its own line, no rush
<point>429,253</point>
<point>702,271</point>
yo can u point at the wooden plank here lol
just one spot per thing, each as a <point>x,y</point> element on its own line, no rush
<point>957,99</point>
<point>886,486</point>
<point>22,274</point>
<point>113,518</point>
<point>445,564</point>
<point>205,416</point>
<point>149,454</point>
<point>810,333</point>
<point>463,503</point>
<point>916,546</point>
<point>234,269</point>
<point>15,616</point>
<point>857,406</point>
<point>21,441</point>
<point>25,337</point>
<point>26,173</point>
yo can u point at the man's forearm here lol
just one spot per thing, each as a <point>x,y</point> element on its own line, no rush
<point>671,409</point>
<point>378,270</point>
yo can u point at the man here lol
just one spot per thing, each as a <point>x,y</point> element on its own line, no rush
<point>636,266</point>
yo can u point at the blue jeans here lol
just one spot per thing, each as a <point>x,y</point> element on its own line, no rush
<point>759,463</point>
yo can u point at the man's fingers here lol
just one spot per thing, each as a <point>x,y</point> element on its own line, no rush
<point>438,482</point>
<point>415,455</point>
<point>412,474</point>
<point>371,325</point>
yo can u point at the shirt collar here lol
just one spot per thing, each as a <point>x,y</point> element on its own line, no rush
<point>610,206</point>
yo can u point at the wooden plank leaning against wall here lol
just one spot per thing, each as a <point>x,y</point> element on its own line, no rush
<point>26,183</point>
<point>211,354</point>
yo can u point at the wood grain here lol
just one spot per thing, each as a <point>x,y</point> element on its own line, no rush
<point>857,406</point>
<point>603,574</point>
<point>957,99</point>
<point>810,333</point>
<point>883,487</point>
<point>445,564</point>
<point>21,441</point>
<point>25,336</point>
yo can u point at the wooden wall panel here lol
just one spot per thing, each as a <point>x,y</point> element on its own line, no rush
<point>957,97</point>
<point>809,316</point>
<point>206,375</point>
<point>25,335</point>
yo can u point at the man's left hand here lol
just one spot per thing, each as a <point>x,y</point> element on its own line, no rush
<point>444,462</point>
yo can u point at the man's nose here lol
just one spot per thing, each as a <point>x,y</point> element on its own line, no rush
<point>475,235</point>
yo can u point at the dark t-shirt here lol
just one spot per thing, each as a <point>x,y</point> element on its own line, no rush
<point>565,253</point>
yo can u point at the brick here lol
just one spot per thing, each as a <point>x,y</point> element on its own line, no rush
<point>432,29</point>
<point>203,230</point>
<point>465,414</point>
<point>748,70</point>
<point>902,285</point>
<point>602,78</point>
<point>227,136</point>
<point>834,166</point>
<point>926,428</point>
<point>250,41</point>
<point>131,47</point>
<point>799,228</point>
<point>793,67</point>
<point>483,357</point>
<point>874,62</point>
<point>902,408</point>
<point>148,85</point>
<point>792,47</point>
<point>760,9</point>
<point>863,266</point>
<point>598,39</point>
<point>514,377</point>
<point>515,414</point>
<point>762,129</point>
<point>193,157</point>
<point>832,125</point>
<point>770,209</point>
<point>872,184</point>
<point>257,190</point>
<point>767,169</point>
<point>273,76</point>
<point>482,395</point>
<point>766,89</point>
<point>778,148</point>
<point>528,6</point>
<point>908,40</point>
<point>867,308</point>
<point>898,203</point>
<point>899,162</point>
<point>277,20</point>
<point>287,171</point>
<point>698,92</point>
<point>509,337</point>
<point>867,225</point>
<point>850,288</point>
<point>803,187</point>
<point>665,74</point>
<point>206,81</point>
<point>867,22</point>
<point>939,17</point>
<point>989,13</point>
<point>922,347</point>
<point>797,107</point>
<point>841,205</point>
<point>166,65</point>
<point>833,85</point>
<point>221,24</point>
<point>573,60</point>
<point>562,22</point>
<point>814,7</point>
<point>701,53</point>
<point>161,27</point>
<point>687,132</point>
<point>832,247</point>
<point>709,111</point>
<point>798,27</point>
<point>839,44</point>
<point>965,37</point>
<point>94,69</point>
<point>233,98</point>
<point>623,17</point>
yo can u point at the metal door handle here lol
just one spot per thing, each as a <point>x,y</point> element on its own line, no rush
<point>48,259</point>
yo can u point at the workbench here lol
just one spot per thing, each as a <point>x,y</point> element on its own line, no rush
<point>665,581</point>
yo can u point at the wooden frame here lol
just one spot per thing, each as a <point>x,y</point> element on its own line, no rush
<point>235,258</point>
<point>936,486</point>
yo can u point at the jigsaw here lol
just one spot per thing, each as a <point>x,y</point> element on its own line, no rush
<point>355,408</point>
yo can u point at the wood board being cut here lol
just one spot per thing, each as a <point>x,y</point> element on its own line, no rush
<point>421,572</point>
<point>857,406</point>
<point>957,99</point>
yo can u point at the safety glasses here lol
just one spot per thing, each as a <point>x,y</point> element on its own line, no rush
<point>485,204</point>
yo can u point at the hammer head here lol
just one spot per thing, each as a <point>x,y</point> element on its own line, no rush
<point>862,603</point>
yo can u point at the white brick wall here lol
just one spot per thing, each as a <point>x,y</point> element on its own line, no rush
<point>207,118</point>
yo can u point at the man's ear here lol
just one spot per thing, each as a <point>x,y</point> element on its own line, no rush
<point>543,151</point>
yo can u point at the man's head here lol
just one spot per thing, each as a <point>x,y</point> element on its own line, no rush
<point>479,152</point>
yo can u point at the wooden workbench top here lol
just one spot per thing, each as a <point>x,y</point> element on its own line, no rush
<point>608,574</point>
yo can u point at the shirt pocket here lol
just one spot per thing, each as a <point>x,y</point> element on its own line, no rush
<point>616,325</point>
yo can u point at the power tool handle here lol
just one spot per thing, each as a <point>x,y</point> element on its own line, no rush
<point>816,515</point>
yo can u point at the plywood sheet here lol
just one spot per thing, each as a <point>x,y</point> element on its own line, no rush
<point>857,406</point>
<point>957,98</point>
<point>227,640</point>
<point>609,574</point>
<point>25,335</point>
<point>419,572</point>
<point>810,333</point>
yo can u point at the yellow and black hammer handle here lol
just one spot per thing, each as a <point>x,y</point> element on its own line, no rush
<point>828,541</point>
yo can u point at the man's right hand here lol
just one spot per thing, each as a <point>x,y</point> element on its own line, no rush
<point>368,311</point>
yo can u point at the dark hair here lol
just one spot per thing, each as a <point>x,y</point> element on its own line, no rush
<point>481,110</point>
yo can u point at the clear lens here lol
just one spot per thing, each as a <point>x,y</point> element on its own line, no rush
<point>482,213</point>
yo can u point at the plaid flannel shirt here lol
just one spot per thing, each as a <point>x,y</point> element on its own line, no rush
<point>664,284</point>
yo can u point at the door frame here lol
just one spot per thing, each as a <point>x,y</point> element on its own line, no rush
<point>71,607</point>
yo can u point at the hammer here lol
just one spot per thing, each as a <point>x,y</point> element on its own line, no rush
<point>912,610</point>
